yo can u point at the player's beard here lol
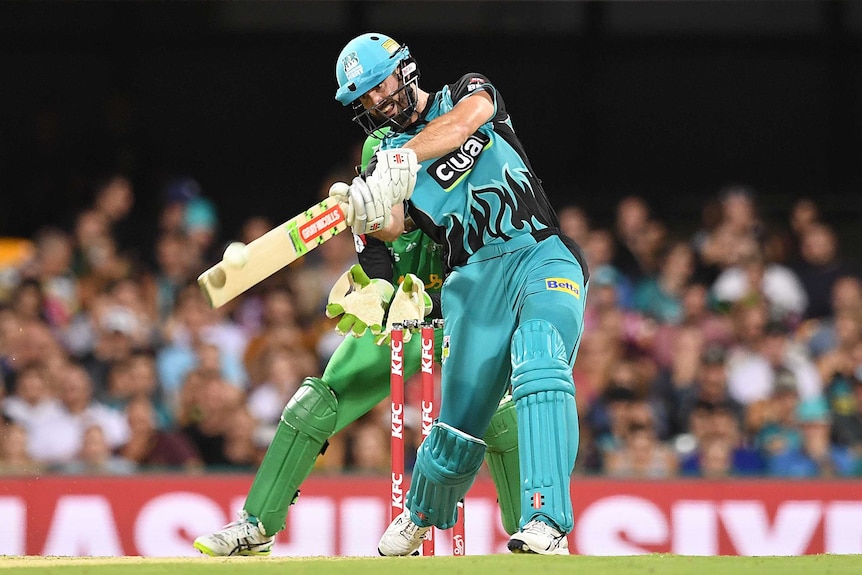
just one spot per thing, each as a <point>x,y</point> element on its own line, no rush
<point>402,111</point>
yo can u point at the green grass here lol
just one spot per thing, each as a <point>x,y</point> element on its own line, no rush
<point>496,564</point>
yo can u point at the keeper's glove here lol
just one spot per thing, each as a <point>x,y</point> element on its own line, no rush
<point>411,303</point>
<point>361,302</point>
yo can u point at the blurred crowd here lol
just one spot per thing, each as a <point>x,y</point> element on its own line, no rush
<point>732,351</point>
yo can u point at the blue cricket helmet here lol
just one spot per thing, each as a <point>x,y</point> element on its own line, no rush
<point>365,62</point>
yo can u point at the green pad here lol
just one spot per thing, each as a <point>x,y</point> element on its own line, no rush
<point>306,424</point>
<point>446,467</point>
<point>502,460</point>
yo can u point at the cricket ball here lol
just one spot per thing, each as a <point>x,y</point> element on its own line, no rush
<point>236,255</point>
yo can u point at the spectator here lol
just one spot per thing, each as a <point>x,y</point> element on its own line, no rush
<point>574,223</point>
<point>819,266</point>
<point>91,227</point>
<point>113,201</point>
<point>754,279</point>
<point>599,251</point>
<point>709,387</point>
<point>660,296</point>
<point>207,403</point>
<point>95,457</point>
<point>175,269</point>
<point>60,441</point>
<point>282,377</point>
<point>28,302</point>
<point>33,406</point>
<point>200,225</point>
<point>752,371</point>
<point>368,448</point>
<point>52,268</point>
<point>630,230</point>
<point>135,377</point>
<point>14,457</point>
<point>275,327</point>
<point>819,334</point>
<point>116,332</point>
<point>814,456</point>
<point>715,458</point>
<point>642,456</point>
<point>244,446</point>
<point>713,328</point>
<point>193,326</point>
<point>841,370</point>
<point>152,448</point>
<point>774,419</point>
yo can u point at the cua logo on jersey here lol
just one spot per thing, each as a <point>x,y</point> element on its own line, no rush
<point>448,170</point>
<point>564,285</point>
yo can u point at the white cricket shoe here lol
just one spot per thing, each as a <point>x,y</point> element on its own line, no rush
<point>243,537</point>
<point>402,537</point>
<point>539,537</point>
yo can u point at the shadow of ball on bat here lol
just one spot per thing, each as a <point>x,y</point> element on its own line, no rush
<point>217,278</point>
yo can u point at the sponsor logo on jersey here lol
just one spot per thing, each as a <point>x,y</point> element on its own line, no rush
<point>444,353</point>
<point>564,285</point>
<point>474,83</point>
<point>351,65</point>
<point>448,170</point>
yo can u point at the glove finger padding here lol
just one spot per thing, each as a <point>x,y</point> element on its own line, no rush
<point>340,192</point>
<point>372,208</point>
<point>394,174</point>
<point>361,302</point>
<point>411,303</point>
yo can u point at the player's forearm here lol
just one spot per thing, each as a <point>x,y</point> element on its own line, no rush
<point>440,137</point>
<point>448,132</point>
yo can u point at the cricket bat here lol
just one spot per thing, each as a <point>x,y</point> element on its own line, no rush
<point>273,251</point>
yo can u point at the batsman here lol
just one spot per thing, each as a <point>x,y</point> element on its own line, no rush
<point>356,379</point>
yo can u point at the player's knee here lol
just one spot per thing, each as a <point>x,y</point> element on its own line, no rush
<point>312,409</point>
<point>539,360</point>
<point>446,466</point>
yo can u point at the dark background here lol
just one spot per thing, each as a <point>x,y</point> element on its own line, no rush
<point>670,100</point>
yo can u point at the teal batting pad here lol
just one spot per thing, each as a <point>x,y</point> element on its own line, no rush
<point>446,465</point>
<point>544,393</point>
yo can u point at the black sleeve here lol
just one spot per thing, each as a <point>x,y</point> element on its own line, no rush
<point>469,83</point>
<point>374,257</point>
<point>437,310</point>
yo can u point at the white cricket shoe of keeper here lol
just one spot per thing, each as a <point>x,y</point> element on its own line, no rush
<point>402,537</point>
<point>243,537</point>
<point>539,537</point>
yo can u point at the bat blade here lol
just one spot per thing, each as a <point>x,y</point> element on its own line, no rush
<point>272,251</point>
